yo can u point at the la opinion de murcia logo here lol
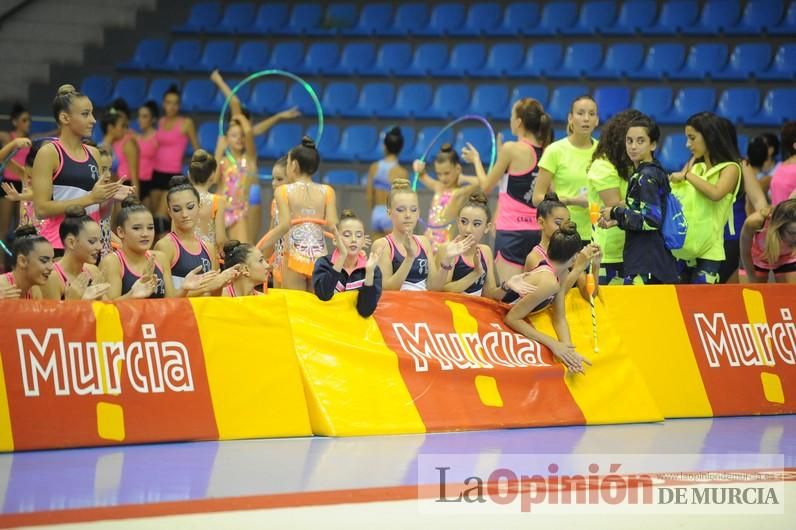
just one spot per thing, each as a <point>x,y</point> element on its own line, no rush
<point>95,368</point>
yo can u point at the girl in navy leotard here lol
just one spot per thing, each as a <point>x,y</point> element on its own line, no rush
<point>547,278</point>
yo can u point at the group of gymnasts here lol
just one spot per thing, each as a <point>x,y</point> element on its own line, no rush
<point>80,205</point>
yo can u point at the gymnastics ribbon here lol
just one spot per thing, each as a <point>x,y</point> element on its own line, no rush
<point>594,215</point>
<point>446,128</point>
<point>264,73</point>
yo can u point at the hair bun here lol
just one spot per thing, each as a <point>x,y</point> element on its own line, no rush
<point>200,156</point>
<point>400,184</point>
<point>75,211</point>
<point>568,228</point>
<point>308,142</point>
<point>551,196</point>
<point>395,131</point>
<point>479,197</point>
<point>348,214</point>
<point>25,231</point>
<point>129,202</point>
<point>231,245</point>
<point>63,90</point>
<point>178,180</point>
<point>446,148</point>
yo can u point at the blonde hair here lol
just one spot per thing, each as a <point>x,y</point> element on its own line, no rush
<point>397,187</point>
<point>779,218</point>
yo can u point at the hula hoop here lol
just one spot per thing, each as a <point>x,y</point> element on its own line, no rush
<point>263,73</point>
<point>446,128</point>
<point>5,248</point>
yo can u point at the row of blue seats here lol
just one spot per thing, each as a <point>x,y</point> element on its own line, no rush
<point>582,59</point>
<point>490,18</point>
<point>420,100</point>
<point>363,143</point>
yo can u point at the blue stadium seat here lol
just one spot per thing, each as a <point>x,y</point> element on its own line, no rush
<point>634,16</point>
<point>662,59</point>
<point>373,18</point>
<point>374,100</point>
<point>410,19</point>
<point>358,142</point>
<point>132,90</point>
<point>717,16</point>
<point>356,58</point>
<point>252,57</point>
<point>675,15</point>
<point>444,18</point>
<point>392,57</point>
<point>519,18</point>
<point>673,153</point>
<point>621,60</point>
<point>610,100</point>
<point>148,53</point>
<point>340,98</point>
<point>778,107</point>
<point>479,137</point>
<point>158,87</point>
<point>429,58</point>
<point>450,100</point>
<point>341,177</point>
<point>208,135</point>
<point>738,104</point>
<point>538,92</point>
<point>580,58</point>
<point>424,139</point>
<point>271,18</point>
<point>218,54</point>
<point>783,68</point>
<point>557,17</point>
<point>503,58</point>
<point>746,60</point>
<point>491,101</point>
<point>704,60</point>
<point>98,88</point>
<point>304,18</point>
<point>688,102</point>
<point>202,16</point>
<point>198,95</point>
<point>322,57</point>
<point>757,16</point>
<point>280,139</point>
<point>788,24</point>
<point>594,16</point>
<point>482,19</point>
<point>329,141</point>
<point>465,59</point>
<point>653,101</point>
<point>561,100</point>
<point>297,96</point>
<point>243,94</point>
<point>412,100</point>
<point>268,96</point>
<point>238,17</point>
<point>287,56</point>
<point>339,18</point>
<point>540,60</point>
<point>182,55</point>
<point>743,144</point>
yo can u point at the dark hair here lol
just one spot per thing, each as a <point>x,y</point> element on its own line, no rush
<point>772,140</point>
<point>35,145</point>
<point>478,200</point>
<point>75,217</point>
<point>64,97</point>
<point>110,117</point>
<point>535,120</point>
<point>306,155</point>
<point>153,109</point>
<point>130,205</point>
<point>721,146</point>
<point>548,204</point>
<point>17,110</point>
<point>281,161</point>
<point>644,121</point>
<point>394,141</point>
<point>447,154</point>
<point>25,238</point>
<point>788,136</point>
<point>121,105</point>
<point>178,183</point>
<point>173,89</point>
<point>611,146</point>
<point>202,166</point>
<point>347,215</point>
<point>572,108</point>
<point>564,243</point>
<point>757,151</point>
<point>236,253</point>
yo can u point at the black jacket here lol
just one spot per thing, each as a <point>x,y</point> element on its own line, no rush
<point>326,281</point>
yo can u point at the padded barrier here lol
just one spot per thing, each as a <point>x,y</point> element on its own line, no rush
<point>83,374</point>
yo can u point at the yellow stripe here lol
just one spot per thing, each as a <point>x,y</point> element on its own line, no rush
<point>6,436</point>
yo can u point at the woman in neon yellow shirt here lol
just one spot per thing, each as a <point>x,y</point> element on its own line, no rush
<point>564,163</point>
<point>608,175</point>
